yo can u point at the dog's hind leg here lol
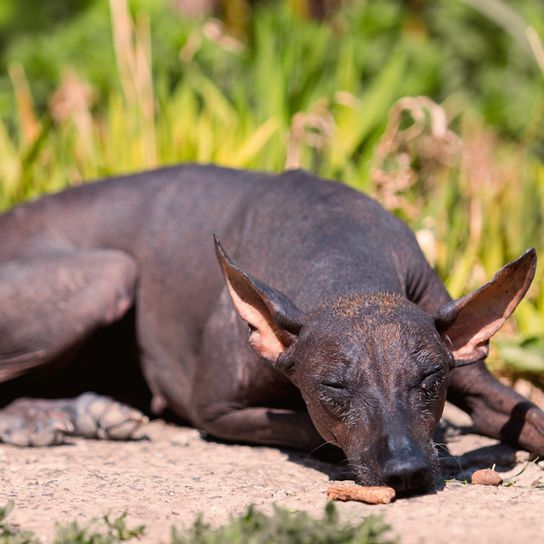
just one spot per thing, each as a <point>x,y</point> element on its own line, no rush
<point>49,305</point>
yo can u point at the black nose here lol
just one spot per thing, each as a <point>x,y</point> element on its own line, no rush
<point>407,475</point>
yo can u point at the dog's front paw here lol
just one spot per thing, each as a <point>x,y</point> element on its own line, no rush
<point>521,424</point>
<point>531,437</point>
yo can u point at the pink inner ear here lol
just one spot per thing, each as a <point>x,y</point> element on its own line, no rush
<point>474,348</point>
<point>478,321</point>
<point>483,312</point>
<point>264,338</point>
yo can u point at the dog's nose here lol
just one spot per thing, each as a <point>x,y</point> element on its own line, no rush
<point>405,475</point>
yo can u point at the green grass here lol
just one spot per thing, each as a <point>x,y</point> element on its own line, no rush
<point>98,531</point>
<point>253,527</point>
<point>10,534</point>
<point>145,87</point>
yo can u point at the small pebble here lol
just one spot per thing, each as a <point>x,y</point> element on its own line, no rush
<point>486,476</point>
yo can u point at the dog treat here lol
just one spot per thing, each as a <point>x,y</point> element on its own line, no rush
<point>486,477</point>
<point>340,491</point>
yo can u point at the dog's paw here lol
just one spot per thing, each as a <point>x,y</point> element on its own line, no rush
<point>34,429</point>
<point>101,417</point>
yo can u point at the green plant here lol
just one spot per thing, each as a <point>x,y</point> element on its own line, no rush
<point>132,85</point>
<point>103,531</point>
<point>10,534</point>
<point>287,527</point>
<point>252,527</point>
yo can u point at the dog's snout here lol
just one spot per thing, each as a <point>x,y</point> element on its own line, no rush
<point>404,466</point>
<point>406,475</point>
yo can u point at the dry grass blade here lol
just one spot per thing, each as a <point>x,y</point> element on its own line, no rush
<point>428,137</point>
<point>29,124</point>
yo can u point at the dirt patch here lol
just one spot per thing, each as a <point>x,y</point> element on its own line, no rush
<point>176,474</point>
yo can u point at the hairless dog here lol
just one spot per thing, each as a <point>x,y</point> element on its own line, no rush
<point>323,322</point>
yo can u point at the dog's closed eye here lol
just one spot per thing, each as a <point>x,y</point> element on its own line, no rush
<point>334,385</point>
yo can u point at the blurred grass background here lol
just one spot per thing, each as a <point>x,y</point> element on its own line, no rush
<point>434,107</point>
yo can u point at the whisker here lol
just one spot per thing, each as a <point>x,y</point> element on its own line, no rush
<point>321,445</point>
<point>456,458</point>
<point>442,446</point>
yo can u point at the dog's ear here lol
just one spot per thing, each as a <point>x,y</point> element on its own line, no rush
<point>273,319</point>
<point>467,324</point>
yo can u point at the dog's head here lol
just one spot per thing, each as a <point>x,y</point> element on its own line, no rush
<point>373,369</point>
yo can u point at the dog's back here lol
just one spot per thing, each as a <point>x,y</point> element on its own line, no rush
<point>310,237</point>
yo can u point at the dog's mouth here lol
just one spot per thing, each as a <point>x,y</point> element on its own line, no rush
<point>404,487</point>
<point>407,477</point>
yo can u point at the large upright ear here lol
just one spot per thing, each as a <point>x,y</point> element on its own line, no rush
<point>469,322</point>
<point>273,319</point>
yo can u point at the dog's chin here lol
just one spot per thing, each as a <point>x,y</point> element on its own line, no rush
<point>420,490</point>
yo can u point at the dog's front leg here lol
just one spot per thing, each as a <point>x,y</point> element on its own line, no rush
<point>266,426</point>
<point>52,303</point>
<point>497,410</point>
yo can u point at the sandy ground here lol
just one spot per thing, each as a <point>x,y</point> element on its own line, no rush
<point>176,474</point>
